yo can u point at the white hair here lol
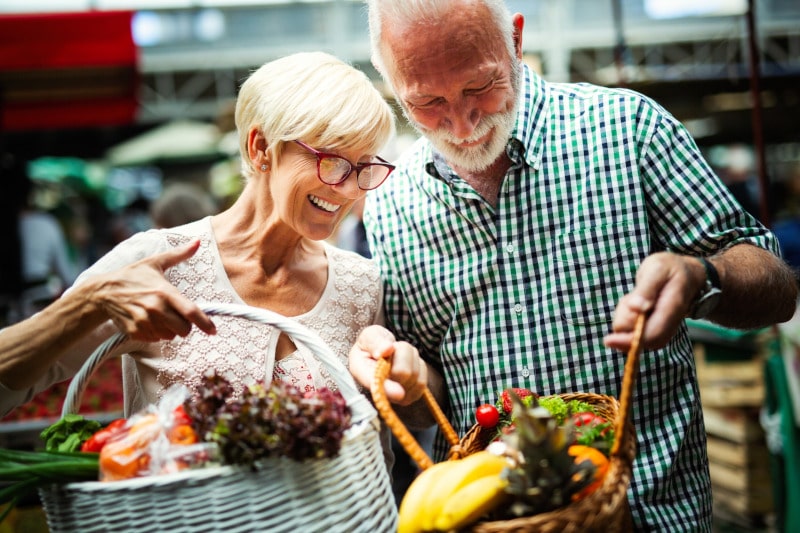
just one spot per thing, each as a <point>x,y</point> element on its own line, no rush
<point>428,12</point>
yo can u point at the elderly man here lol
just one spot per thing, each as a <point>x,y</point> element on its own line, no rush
<point>533,222</point>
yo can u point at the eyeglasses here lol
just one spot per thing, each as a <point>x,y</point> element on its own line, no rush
<point>333,169</point>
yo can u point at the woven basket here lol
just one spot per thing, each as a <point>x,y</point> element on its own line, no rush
<point>604,510</point>
<point>350,492</point>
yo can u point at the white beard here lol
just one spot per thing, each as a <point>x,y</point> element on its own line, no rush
<point>479,157</point>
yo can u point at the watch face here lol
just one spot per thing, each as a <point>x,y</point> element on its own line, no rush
<point>706,303</point>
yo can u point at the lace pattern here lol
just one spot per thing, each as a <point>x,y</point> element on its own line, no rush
<point>244,351</point>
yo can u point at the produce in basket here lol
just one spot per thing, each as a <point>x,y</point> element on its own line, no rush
<point>23,471</point>
<point>269,420</point>
<point>546,475</point>
<point>265,420</point>
<point>454,493</point>
<point>535,466</point>
<point>588,428</point>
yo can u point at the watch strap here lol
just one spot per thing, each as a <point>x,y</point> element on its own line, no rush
<point>712,276</point>
<point>708,297</point>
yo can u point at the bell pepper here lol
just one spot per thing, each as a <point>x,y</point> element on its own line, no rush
<point>99,439</point>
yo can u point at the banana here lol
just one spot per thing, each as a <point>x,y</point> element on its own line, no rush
<point>471,502</point>
<point>423,503</point>
<point>415,501</point>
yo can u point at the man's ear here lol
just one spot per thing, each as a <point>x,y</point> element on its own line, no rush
<point>257,148</point>
<point>518,21</point>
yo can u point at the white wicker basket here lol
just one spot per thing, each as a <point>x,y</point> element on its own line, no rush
<point>348,493</point>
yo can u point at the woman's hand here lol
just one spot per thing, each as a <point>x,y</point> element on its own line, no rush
<point>409,373</point>
<point>143,304</point>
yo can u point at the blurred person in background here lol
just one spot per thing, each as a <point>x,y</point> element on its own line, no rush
<point>522,237</point>
<point>351,234</point>
<point>179,204</point>
<point>46,266</point>
<point>786,223</point>
<point>137,298</point>
<point>739,176</point>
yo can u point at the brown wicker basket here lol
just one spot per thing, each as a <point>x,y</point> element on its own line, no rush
<point>604,510</point>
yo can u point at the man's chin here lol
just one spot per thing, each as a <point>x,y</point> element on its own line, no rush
<point>475,159</point>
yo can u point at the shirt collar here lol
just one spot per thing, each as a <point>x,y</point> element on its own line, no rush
<point>531,116</point>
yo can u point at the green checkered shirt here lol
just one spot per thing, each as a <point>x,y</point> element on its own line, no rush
<point>522,294</point>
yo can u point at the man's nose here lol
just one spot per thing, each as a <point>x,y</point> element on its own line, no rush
<point>462,120</point>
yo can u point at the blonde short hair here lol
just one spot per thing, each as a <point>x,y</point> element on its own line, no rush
<point>314,97</point>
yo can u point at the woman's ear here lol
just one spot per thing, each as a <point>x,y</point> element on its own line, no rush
<point>257,149</point>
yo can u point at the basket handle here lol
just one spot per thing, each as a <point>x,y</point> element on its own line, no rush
<point>628,383</point>
<point>415,451</point>
<point>359,404</point>
<point>400,431</point>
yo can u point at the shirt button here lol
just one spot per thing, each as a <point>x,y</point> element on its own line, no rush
<point>510,248</point>
<point>518,308</point>
<point>525,372</point>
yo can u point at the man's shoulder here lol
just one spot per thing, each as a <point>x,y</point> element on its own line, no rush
<point>585,91</point>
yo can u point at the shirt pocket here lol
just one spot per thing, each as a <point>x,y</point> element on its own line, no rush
<point>594,267</point>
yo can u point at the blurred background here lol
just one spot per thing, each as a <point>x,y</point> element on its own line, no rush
<point>112,109</point>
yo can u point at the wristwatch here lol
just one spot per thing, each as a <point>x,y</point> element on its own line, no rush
<point>709,295</point>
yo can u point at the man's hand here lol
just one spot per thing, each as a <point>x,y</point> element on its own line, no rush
<point>143,304</point>
<point>758,289</point>
<point>666,285</point>
<point>409,374</point>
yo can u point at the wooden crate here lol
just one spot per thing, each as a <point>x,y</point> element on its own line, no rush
<point>729,383</point>
<point>738,462</point>
<point>734,424</point>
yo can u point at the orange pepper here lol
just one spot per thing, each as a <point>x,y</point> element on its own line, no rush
<point>125,456</point>
<point>182,434</point>
<point>122,459</point>
<point>583,453</point>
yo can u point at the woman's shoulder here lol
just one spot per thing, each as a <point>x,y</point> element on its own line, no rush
<point>348,260</point>
<point>147,243</point>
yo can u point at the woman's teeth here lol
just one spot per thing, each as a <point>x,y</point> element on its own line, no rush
<point>322,204</point>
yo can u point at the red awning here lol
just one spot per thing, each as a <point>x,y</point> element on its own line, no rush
<point>67,70</point>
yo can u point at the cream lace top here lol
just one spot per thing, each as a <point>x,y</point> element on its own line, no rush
<point>242,350</point>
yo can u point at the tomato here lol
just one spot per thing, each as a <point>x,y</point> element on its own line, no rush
<point>586,419</point>
<point>487,415</point>
<point>590,427</point>
<point>180,416</point>
<point>96,442</point>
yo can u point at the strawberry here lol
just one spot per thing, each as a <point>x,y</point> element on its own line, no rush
<point>505,400</point>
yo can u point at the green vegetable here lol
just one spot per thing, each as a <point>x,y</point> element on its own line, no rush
<point>68,434</point>
<point>561,409</point>
<point>22,472</point>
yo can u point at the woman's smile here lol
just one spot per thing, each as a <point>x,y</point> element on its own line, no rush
<point>323,204</point>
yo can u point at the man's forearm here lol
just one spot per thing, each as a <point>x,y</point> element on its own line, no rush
<point>758,288</point>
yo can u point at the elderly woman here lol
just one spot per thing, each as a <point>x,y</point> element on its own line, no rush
<point>310,128</point>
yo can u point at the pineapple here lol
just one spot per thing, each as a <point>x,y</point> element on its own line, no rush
<point>546,476</point>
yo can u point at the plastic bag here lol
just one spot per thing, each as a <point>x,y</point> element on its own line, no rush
<point>157,440</point>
